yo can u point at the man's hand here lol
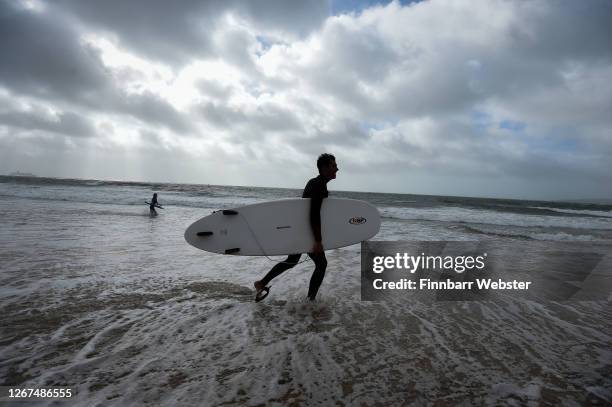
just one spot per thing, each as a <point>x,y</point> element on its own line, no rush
<point>317,247</point>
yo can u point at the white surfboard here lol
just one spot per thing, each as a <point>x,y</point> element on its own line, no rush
<point>283,227</point>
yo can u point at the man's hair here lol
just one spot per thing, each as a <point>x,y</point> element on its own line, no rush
<point>324,160</point>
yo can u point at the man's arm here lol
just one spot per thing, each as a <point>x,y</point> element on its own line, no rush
<point>315,222</point>
<point>315,217</point>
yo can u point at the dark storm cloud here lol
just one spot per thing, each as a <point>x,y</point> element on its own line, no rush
<point>293,17</point>
<point>455,147</point>
<point>538,47</point>
<point>256,124</point>
<point>178,31</point>
<point>234,45</point>
<point>361,52</point>
<point>45,58</point>
<point>150,109</point>
<point>566,29</point>
<point>42,56</point>
<point>426,70</point>
<point>214,89</point>
<point>343,133</point>
<point>222,116</point>
<point>393,88</point>
<point>65,123</point>
<point>159,29</point>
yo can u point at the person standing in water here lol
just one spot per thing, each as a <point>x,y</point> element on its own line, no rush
<point>153,204</point>
<point>316,190</point>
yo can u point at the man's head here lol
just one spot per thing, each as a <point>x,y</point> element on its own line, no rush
<point>326,163</point>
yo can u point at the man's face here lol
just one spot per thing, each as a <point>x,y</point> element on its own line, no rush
<point>330,170</point>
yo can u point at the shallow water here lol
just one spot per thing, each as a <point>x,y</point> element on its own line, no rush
<point>98,296</point>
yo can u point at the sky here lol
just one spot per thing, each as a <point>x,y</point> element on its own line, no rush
<point>471,98</point>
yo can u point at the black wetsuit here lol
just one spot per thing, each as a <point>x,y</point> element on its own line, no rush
<point>153,203</point>
<point>316,190</point>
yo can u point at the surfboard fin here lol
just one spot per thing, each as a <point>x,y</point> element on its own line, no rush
<point>230,212</point>
<point>261,294</point>
<point>204,233</point>
<point>232,251</point>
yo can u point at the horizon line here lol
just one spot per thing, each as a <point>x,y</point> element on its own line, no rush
<point>602,201</point>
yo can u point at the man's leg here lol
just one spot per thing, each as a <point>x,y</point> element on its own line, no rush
<point>278,268</point>
<point>318,274</point>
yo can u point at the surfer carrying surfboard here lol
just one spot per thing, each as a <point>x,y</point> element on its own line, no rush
<point>316,190</point>
<point>153,204</point>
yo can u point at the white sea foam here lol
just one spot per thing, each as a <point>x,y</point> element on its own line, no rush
<point>122,310</point>
<point>483,216</point>
<point>603,213</point>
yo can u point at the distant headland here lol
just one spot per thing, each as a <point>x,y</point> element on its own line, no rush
<point>21,174</point>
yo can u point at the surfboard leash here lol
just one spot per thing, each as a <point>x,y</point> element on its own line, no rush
<point>262,249</point>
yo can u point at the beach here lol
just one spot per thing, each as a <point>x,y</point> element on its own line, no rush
<point>98,296</point>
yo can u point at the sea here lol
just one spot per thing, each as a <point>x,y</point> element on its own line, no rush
<point>98,296</point>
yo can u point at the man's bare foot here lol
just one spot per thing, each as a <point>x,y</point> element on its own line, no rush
<point>261,291</point>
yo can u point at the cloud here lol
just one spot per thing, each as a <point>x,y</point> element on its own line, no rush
<point>267,118</point>
<point>472,92</point>
<point>64,123</point>
<point>46,58</point>
<point>152,110</point>
<point>180,31</point>
<point>41,56</point>
<point>292,19</point>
